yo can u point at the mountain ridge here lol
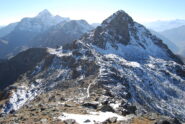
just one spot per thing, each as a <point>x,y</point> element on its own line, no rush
<point>128,74</point>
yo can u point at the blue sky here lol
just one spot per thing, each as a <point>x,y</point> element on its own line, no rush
<point>93,10</point>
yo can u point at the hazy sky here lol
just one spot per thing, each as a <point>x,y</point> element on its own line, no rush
<point>93,10</point>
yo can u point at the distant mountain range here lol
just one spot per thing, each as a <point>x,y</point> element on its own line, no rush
<point>164,25</point>
<point>177,35</point>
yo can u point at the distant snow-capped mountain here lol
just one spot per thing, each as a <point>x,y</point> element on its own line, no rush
<point>119,69</point>
<point>40,23</point>
<point>61,34</point>
<point>25,30</point>
<point>7,29</point>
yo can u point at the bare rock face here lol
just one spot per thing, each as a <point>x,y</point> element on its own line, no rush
<point>116,26</point>
<point>168,121</point>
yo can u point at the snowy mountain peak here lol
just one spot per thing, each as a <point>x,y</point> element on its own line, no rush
<point>43,21</point>
<point>45,12</point>
<point>118,17</point>
<point>115,29</point>
<point>120,35</point>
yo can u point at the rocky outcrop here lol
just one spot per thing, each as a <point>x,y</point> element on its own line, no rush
<point>10,70</point>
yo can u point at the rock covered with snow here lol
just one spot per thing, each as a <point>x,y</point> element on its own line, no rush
<point>93,117</point>
<point>19,97</point>
<point>127,71</point>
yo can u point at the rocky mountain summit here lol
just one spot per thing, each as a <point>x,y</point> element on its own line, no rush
<point>117,73</point>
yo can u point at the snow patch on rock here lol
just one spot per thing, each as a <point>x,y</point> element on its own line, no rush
<point>59,52</point>
<point>20,96</point>
<point>93,117</point>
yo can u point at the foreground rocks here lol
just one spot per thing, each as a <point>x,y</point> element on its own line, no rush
<point>43,110</point>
